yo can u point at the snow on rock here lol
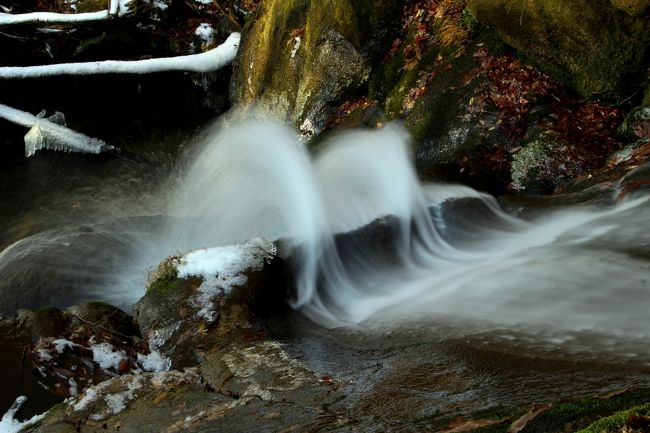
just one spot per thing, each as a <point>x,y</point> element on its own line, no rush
<point>10,425</point>
<point>208,61</point>
<point>61,344</point>
<point>204,2</point>
<point>154,362</point>
<point>228,260</point>
<point>222,269</point>
<point>205,32</point>
<point>105,355</point>
<point>113,402</point>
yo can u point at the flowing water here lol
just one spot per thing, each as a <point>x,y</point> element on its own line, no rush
<point>577,277</point>
<point>448,263</point>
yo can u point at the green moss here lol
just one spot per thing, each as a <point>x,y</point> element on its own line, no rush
<point>576,414</point>
<point>614,422</point>
<point>164,278</point>
<point>468,21</point>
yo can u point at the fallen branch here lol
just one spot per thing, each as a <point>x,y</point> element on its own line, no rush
<point>118,8</point>
<point>46,134</point>
<point>208,61</point>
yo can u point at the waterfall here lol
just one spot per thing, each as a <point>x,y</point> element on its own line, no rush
<point>451,252</point>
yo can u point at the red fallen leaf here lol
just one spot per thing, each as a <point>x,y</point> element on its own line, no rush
<point>124,366</point>
<point>520,424</point>
<point>460,424</point>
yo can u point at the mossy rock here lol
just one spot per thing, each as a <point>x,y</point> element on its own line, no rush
<point>299,58</point>
<point>590,45</point>
<point>596,414</point>
<point>533,166</point>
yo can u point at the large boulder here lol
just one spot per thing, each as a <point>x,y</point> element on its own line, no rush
<point>591,45</point>
<point>298,59</point>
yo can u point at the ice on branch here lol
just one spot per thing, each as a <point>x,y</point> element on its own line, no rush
<point>118,8</point>
<point>208,61</point>
<point>51,133</point>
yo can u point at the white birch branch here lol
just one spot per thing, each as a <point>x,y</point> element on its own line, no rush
<point>45,134</point>
<point>51,18</point>
<point>117,8</point>
<point>208,61</point>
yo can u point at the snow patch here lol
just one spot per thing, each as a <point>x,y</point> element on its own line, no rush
<point>154,362</point>
<point>43,355</point>
<point>61,344</point>
<point>222,269</point>
<point>204,2</point>
<point>205,32</point>
<point>74,389</point>
<point>106,356</point>
<point>90,395</point>
<point>8,424</point>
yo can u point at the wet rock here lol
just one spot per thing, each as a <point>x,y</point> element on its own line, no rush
<point>54,354</point>
<point>182,315</point>
<point>43,323</point>
<point>264,389</point>
<point>136,403</point>
<point>589,45</point>
<point>102,316</point>
<point>259,369</point>
<point>298,59</point>
<point>452,141</point>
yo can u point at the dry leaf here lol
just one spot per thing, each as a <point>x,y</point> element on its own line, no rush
<point>536,410</point>
<point>460,424</point>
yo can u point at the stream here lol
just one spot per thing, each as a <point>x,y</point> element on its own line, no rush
<point>465,305</point>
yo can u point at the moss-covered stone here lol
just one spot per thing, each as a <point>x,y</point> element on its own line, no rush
<point>533,166</point>
<point>590,45</point>
<point>299,58</point>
